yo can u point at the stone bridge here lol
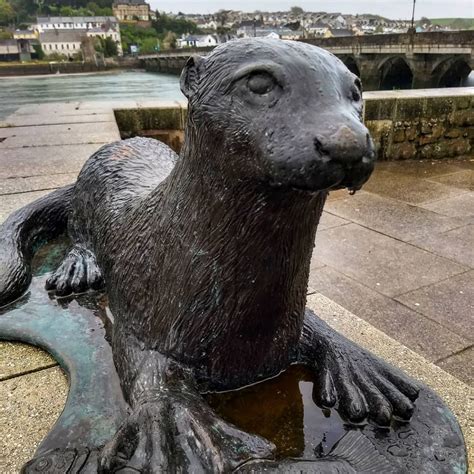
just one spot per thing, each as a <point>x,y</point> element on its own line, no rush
<point>396,61</point>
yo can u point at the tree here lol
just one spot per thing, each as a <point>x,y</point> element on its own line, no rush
<point>169,41</point>
<point>7,14</point>
<point>39,51</point>
<point>148,45</point>
<point>222,17</point>
<point>296,11</point>
<point>110,47</point>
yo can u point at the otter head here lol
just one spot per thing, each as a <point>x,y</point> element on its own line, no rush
<point>281,113</point>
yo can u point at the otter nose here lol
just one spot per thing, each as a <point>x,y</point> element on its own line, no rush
<point>345,145</point>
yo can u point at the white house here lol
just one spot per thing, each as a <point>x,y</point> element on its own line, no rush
<point>198,41</point>
<point>67,43</point>
<point>45,23</point>
<point>69,29</point>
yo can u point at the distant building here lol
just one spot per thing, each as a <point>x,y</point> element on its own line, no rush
<point>318,29</point>
<point>340,32</point>
<point>198,41</point>
<point>16,50</point>
<point>269,32</point>
<point>67,43</point>
<point>25,34</point>
<point>45,23</point>
<point>131,10</point>
<point>64,34</point>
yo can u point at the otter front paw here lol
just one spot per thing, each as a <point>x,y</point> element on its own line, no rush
<point>77,273</point>
<point>178,433</point>
<point>359,383</point>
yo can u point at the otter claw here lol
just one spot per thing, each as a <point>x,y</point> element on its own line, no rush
<point>77,273</point>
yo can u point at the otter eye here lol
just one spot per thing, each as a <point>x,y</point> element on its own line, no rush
<point>357,91</point>
<point>261,82</point>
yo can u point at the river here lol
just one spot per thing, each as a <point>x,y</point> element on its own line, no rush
<point>121,85</point>
<point>117,85</point>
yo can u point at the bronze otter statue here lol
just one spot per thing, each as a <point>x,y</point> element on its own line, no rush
<point>205,257</point>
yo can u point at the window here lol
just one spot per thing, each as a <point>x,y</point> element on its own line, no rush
<point>62,46</point>
<point>67,46</point>
<point>56,46</point>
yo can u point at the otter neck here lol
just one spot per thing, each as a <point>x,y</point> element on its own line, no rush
<point>245,251</point>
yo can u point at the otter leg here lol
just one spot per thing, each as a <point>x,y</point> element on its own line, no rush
<point>171,428</point>
<point>361,384</point>
<point>77,273</point>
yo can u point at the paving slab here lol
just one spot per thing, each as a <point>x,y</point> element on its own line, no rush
<point>329,221</point>
<point>11,202</point>
<point>461,179</point>
<point>44,161</point>
<point>16,137</point>
<point>456,244</point>
<point>419,333</point>
<point>382,263</point>
<point>462,363</point>
<point>457,395</point>
<point>29,406</point>
<point>72,129</point>
<point>56,119</point>
<point>455,206</point>
<point>391,217</point>
<point>17,359</point>
<point>46,108</point>
<point>107,104</point>
<point>408,188</point>
<point>449,302</point>
<point>424,169</point>
<point>35,183</point>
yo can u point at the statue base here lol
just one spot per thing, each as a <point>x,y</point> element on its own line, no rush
<point>75,331</point>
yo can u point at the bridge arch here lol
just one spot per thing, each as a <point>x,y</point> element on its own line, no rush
<point>395,73</point>
<point>451,72</point>
<point>351,64</point>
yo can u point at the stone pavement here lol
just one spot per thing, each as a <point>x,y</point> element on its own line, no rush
<point>399,255</point>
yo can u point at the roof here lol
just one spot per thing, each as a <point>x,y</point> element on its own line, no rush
<point>129,2</point>
<point>338,32</point>
<point>76,19</point>
<point>62,36</point>
<point>318,24</point>
<point>9,46</point>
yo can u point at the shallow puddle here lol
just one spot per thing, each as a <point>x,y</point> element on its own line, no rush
<point>282,410</point>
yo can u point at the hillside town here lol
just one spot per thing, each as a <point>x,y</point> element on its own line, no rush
<point>83,37</point>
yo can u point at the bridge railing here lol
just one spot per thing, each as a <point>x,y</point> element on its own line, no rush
<point>463,37</point>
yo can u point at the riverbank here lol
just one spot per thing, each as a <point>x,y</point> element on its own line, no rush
<point>53,67</point>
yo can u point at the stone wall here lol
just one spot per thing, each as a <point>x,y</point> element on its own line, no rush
<point>405,125</point>
<point>425,124</point>
<point>52,68</point>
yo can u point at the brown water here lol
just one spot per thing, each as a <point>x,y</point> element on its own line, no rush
<point>282,410</point>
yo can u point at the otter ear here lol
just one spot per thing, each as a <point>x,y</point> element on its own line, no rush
<point>190,76</point>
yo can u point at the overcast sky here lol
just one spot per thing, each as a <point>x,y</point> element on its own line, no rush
<point>389,8</point>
